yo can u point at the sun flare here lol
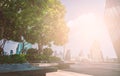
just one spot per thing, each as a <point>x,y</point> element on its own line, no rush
<point>90,25</point>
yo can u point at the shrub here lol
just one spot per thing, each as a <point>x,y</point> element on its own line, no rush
<point>4,59</point>
<point>34,56</point>
<point>54,59</point>
<point>18,58</point>
<point>12,59</point>
<point>47,51</point>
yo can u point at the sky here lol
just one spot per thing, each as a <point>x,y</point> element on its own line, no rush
<point>86,23</point>
<point>75,8</point>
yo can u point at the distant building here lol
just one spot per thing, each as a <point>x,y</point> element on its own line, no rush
<point>13,47</point>
<point>112,19</point>
<point>55,53</point>
<point>58,54</point>
<point>95,53</point>
<point>82,57</point>
<point>67,55</point>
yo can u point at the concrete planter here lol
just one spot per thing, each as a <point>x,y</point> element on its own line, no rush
<point>24,70</point>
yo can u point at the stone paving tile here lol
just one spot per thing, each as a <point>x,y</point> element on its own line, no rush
<point>65,73</point>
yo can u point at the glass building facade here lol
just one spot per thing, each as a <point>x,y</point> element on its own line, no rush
<point>112,19</point>
<point>95,53</point>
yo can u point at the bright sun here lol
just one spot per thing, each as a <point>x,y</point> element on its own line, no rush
<point>90,25</point>
<point>86,29</point>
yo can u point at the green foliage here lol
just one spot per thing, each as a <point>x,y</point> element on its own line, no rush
<point>18,58</point>
<point>31,53</point>
<point>39,21</point>
<point>41,57</point>
<point>13,59</point>
<point>54,59</point>
<point>17,16</point>
<point>47,51</point>
<point>34,56</point>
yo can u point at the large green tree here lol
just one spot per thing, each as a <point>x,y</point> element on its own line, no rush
<point>39,21</point>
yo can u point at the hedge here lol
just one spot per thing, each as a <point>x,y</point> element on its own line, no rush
<point>10,59</point>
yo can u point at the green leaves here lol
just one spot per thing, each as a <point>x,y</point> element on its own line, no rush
<point>47,51</point>
<point>39,21</point>
<point>13,59</point>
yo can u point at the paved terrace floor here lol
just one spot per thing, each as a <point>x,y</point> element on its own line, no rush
<point>65,73</point>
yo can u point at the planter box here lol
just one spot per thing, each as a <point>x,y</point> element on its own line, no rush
<point>24,70</point>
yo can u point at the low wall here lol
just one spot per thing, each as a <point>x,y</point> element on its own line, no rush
<point>24,70</point>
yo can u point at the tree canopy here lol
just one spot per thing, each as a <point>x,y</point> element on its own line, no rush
<point>39,21</point>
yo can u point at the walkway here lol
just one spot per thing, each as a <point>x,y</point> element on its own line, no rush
<point>65,73</point>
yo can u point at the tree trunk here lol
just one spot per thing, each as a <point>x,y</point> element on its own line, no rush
<point>2,47</point>
<point>40,48</point>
